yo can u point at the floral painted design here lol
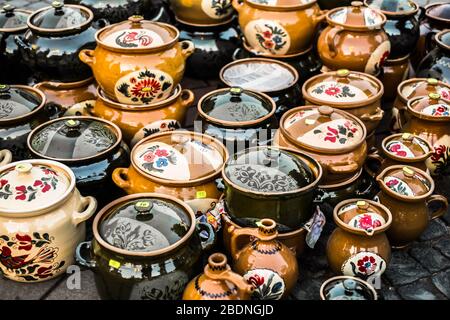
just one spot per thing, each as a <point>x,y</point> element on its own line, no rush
<point>367,221</point>
<point>217,8</point>
<point>440,159</point>
<point>437,110</point>
<point>31,258</point>
<point>271,38</point>
<point>340,133</point>
<point>133,39</point>
<point>398,186</point>
<point>263,180</point>
<point>267,283</point>
<point>398,149</point>
<point>155,127</point>
<point>364,265</point>
<point>6,110</point>
<point>156,158</point>
<point>378,58</point>
<point>445,94</point>
<point>336,90</point>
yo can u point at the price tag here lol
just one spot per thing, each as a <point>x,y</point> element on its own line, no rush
<point>200,194</point>
<point>115,264</point>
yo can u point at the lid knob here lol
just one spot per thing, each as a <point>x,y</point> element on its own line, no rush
<point>23,167</point>
<point>362,205</point>
<point>72,124</point>
<point>357,4</point>
<point>434,96</point>
<point>267,227</point>
<point>57,4</point>
<point>343,72</point>
<point>136,19</point>
<point>236,91</point>
<point>4,88</point>
<point>8,8</point>
<point>407,136</point>
<point>326,110</point>
<point>408,172</point>
<point>143,209</point>
<point>217,262</point>
<point>432,81</point>
<point>349,284</point>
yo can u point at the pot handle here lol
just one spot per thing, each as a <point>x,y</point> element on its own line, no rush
<point>374,158</point>
<point>350,167</point>
<point>120,178</point>
<point>187,98</point>
<point>235,235</point>
<point>87,56</point>
<point>90,204</point>
<point>331,40</point>
<point>5,157</point>
<point>320,16</point>
<point>443,202</point>
<point>87,262</point>
<point>429,39</point>
<point>208,242</point>
<point>187,48</point>
<point>237,5</point>
<point>377,116</point>
<point>21,42</point>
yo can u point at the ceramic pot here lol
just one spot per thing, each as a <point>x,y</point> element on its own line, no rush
<point>335,138</point>
<point>5,157</point>
<point>354,39</point>
<point>75,98</point>
<point>347,288</point>
<point>269,265</point>
<point>157,255</point>
<point>283,27</point>
<point>277,79</point>
<point>395,71</point>
<point>182,164</point>
<point>139,122</point>
<point>407,192</point>
<point>402,26</point>
<point>271,182</point>
<point>239,118</point>
<point>359,247</point>
<point>357,93</point>
<point>42,218</point>
<point>214,47</point>
<point>402,148</point>
<point>12,22</point>
<point>55,37</point>
<point>138,61</point>
<point>437,63</point>
<point>202,12</point>
<point>218,282</point>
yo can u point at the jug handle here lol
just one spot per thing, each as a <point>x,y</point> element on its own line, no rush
<point>320,16</point>
<point>235,235</point>
<point>331,40</point>
<point>444,205</point>
<point>375,157</point>
<point>377,116</point>
<point>187,98</point>
<point>211,240</point>
<point>120,178</point>
<point>244,289</point>
<point>187,48</point>
<point>87,56</point>
<point>81,259</point>
<point>5,157</point>
<point>90,205</point>
<point>350,167</point>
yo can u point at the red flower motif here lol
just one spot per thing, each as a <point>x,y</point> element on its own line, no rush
<point>37,183</point>
<point>44,185</point>
<point>331,135</point>
<point>367,264</point>
<point>163,125</point>
<point>256,280</point>
<point>161,153</point>
<point>267,34</point>
<point>146,88</point>
<point>46,188</point>
<point>439,152</point>
<point>445,94</point>
<point>268,44</point>
<point>332,91</point>
<point>3,182</point>
<point>24,242</point>
<point>384,58</point>
<point>441,109</point>
<point>49,171</point>
<point>149,157</point>
<point>22,190</point>
<point>396,149</point>
<point>44,272</point>
<point>366,222</point>
<point>392,183</point>
<point>350,126</point>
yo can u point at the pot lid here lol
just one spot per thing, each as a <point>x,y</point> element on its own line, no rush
<point>271,170</point>
<point>74,138</point>
<point>406,145</point>
<point>443,39</point>
<point>323,128</point>
<point>432,106</point>
<point>12,19</point>
<point>258,74</point>
<point>393,6</point>
<point>422,87</point>
<point>17,101</point>
<point>236,107</point>
<point>357,15</point>
<point>347,288</point>
<point>30,185</point>
<point>60,17</point>
<point>179,156</point>
<point>406,181</point>
<point>343,87</point>
<point>439,11</point>
<point>144,223</point>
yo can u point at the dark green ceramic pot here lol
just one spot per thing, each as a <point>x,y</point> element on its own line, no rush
<point>270,182</point>
<point>146,247</point>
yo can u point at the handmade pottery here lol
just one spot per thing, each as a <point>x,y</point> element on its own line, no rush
<point>5,157</point>
<point>214,47</point>
<point>277,79</point>
<point>139,122</point>
<point>218,282</point>
<point>269,265</point>
<point>394,72</point>
<point>402,26</point>
<point>358,247</point>
<point>42,218</point>
<point>354,39</point>
<point>279,27</point>
<point>138,61</point>
<point>239,118</point>
<point>335,138</point>
<point>145,247</point>
<point>407,192</point>
<point>437,63</point>
<point>357,93</point>
<point>347,288</point>
<point>203,12</point>
<point>55,37</point>
<point>182,164</point>
<point>271,182</point>
<point>402,148</point>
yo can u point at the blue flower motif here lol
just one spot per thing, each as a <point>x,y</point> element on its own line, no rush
<point>277,39</point>
<point>162,162</point>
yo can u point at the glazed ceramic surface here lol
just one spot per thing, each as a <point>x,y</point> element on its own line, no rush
<point>203,12</point>
<point>394,72</point>
<point>358,247</point>
<point>139,122</point>
<point>137,61</point>
<point>42,218</point>
<point>347,288</point>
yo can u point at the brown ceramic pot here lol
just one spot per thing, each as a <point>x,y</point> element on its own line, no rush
<point>279,27</point>
<point>354,39</point>
<point>335,138</point>
<point>138,122</point>
<point>357,93</point>
<point>138,61</point>
<point>359,246</point>
<point>202,12</point>
<point>394,72</point>
<point>218,282</point>
<point>266,263</point>
<point>407,192</point>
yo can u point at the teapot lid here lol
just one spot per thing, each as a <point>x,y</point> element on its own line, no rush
<point>393,7</point>
<point>179,156</point>
<point>418,87</point>
<point>406,146</point>
<point>357,16</point>
<point>17,101</point>
<point>347,288</point>
<point>60,18</point>
<point>271,170</point>
<point>408,182</point>
<point>145,223</point>
<point>12,19</point>
<point>33,185</point>
<point>74,138</point>
<point>432,107</point>
<point>236,107</point>
<point>322,128</point>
